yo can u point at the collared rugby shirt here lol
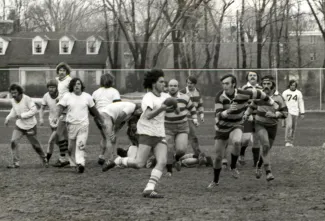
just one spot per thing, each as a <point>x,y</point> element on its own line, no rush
<point>186,108</point>
<point>196,98</point>
<point>263,107</point>
<point>225,122</point>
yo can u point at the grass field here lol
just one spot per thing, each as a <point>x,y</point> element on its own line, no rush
<point>297,193</point>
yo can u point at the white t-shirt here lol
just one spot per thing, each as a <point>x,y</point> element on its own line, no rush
<point>154,126</point>
<point>63,86</point>
<point>115,109</point>
<point>294,101</point>
<point>27,109</point>
<point>77,107</point>
<point>105,96</point>
<point>53,108</point>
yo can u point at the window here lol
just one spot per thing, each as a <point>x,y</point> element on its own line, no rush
<point>91,46</point>
<point>312,56</point>
<point>1,47</point>
<point>65,46</point>
<point>38,46</point>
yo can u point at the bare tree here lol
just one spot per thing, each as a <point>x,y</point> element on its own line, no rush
<point>217,24</point>
<point>138,34</point>
<point>242,35</point>
<point>320,7</point>
<point>113,41</point>
<point>57,15</point>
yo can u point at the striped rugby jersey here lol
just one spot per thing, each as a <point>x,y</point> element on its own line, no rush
<point>225,122</point>
<point>248,86</point>
<point>196,99</point>
<point>262,107</point>
<point>186,108</point>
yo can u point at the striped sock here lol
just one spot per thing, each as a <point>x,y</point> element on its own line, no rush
<point>154,178</point>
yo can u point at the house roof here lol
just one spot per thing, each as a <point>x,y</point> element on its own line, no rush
<point>19,51</point>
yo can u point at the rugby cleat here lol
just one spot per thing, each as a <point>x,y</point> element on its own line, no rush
<point>151,194</point>
<point>109,165</point>
<point>101,161</point>
<point>168,174</point>
<point>269,177</point>
<point>235,173</point>
<point>45,163</point>
<point>178,165</point>
<point>80,168</point>
<point>258,173</point>
<point>13,166</point>
<point>213,185</point>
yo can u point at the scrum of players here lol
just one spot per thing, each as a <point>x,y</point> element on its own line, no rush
<point>160,128</point>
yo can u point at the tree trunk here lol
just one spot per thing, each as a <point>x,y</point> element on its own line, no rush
<point>217,50</point>
<point>242,37</point>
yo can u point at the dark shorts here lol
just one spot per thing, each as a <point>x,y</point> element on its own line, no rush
<point>271,130</point>
<point>30,132</point>
<point>249,126</point>
<point>220,135</point>
<point>179,128</point>
<point>151,140</point>
<point>53,128</point>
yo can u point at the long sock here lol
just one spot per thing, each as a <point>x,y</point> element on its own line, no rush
<point>216,175</point>
<point>48,156</point>
<point>267,169</point>
<point>242,150</point>
<point>256,154</point>
<point>196,156</point>
<point>169,168</point>
<point>63,146</point>
<point>260,163</point>
<point>178,156</point>
<point>154,178</point>
<point>233,161</point>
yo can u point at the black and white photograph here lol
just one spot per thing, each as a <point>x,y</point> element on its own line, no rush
<point>162,110</point>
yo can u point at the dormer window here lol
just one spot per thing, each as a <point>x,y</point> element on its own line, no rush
<point>4,43</point>
<point>65,46</point>
<point>40,44</point>
<point>93,44</point>
<point>38,47</point>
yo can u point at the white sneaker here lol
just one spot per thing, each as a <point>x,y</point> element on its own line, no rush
<point>288,144</point>
<point>269,177</point>
<point>212,185</point>
<point>118,161</point>
<point>168,174</point>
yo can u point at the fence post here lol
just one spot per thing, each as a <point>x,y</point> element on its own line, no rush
<point>320,89</point>
<point>276,78</point>
<point>189,72</point>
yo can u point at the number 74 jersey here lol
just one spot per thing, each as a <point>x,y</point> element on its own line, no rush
<point>294,101</point>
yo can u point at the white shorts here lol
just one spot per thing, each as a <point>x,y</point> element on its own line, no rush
<point>78,131</point>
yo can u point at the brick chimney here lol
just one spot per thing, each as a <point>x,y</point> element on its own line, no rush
<point>6,27</point>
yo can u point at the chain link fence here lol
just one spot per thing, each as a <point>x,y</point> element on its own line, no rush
<point>129,81</point>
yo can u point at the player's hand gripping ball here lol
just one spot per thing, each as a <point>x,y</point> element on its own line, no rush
<point>172,103</point>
